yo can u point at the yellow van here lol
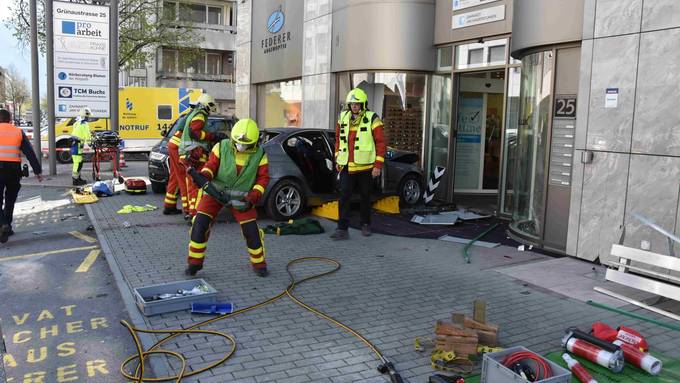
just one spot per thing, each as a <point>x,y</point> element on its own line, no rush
<point>144,114</point>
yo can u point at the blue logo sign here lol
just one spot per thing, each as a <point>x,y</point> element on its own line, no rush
<point>128,104</point>
<point>62,108</point>
<point>275,22</point>
<point>62,76</point>
<point>68,27</point>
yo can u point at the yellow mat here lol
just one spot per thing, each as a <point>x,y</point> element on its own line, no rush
<point>85,197</point>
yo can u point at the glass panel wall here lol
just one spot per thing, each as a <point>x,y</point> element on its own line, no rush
<point>398,98</point>
<point>510,140</point>
<point>280,104</point>
<point>529,185</point>
<point>440,121</point>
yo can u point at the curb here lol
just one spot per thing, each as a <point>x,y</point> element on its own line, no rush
<point>160,366</point>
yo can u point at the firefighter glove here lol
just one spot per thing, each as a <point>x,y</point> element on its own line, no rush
<point>253,197</point>
<point>199,179</point>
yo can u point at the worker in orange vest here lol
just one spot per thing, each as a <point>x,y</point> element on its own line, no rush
<point>13,142</point>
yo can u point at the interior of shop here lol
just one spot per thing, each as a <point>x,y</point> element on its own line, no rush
<point>480,124</point>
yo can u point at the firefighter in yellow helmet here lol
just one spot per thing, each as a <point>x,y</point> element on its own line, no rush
<point>196,141</point>
<point>236,176</point>
<point>80,135</point>
<point>359,157</point>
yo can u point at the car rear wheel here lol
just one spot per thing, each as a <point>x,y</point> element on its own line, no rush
<point>157,187</point>
<point>286,201</point>
<point>64,156</point>
<point>410,190</point>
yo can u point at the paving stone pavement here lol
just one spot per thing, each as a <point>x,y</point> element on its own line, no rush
<point>390,289</point>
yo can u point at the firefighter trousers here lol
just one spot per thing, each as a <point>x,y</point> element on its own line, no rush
<point>207,210</point>
<point>176,181</point>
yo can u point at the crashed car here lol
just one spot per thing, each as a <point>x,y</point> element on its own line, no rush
<point>158,157</point>
<point>302,172</point>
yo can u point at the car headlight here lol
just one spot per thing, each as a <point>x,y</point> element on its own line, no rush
<point>157,156</point>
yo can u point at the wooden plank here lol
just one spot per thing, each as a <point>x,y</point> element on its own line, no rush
<point>479,310</point>
<point>450,328</point>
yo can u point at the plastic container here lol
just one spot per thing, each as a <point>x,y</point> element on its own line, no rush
<point>493,370</point>
<point>155,307</point>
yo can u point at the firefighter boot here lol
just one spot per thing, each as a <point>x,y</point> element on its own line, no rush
<point>79,181</point>
<point>192,269</point>
<point>171,211</point>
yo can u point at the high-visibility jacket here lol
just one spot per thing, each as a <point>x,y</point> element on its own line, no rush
<point>361,144</point>
<point>193,135</point>
<point>81,130</point>
<point>241,161</point>
<point>10,143</point>
<point>227,175</point>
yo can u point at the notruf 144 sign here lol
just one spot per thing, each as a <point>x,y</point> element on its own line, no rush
<point>81,59</point>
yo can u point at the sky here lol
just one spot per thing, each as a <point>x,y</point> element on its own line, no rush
<point>17,56</point>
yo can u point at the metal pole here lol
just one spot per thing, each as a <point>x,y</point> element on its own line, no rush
<point>35,80</point>
<point>113,70</point>
<point>51,133</point>
<point>113,64</point>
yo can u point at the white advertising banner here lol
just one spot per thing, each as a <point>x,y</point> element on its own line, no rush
<point>483,16</point>
<point>81,59</point>
<point>462,4</point>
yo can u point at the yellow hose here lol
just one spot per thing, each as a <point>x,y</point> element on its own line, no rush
<point>142,355</point>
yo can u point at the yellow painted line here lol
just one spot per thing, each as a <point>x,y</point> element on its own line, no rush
<point>88,261</point>
<point>47,253</point>
<point>82,236</point>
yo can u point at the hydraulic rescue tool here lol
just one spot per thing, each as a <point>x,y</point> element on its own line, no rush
<point>226,197</point>
<point>142,356</point>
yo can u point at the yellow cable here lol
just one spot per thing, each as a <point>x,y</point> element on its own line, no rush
<point>142,355</point>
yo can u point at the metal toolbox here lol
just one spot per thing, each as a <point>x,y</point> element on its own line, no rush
<point>155,307</point>
<point>493,370</point>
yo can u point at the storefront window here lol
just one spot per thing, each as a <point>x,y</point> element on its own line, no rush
<point>398,98</point>
<point>510,140</point>
<point>479,55</point>
<point>280,104</point>
<point>440,121</point>
<point>529,186</point>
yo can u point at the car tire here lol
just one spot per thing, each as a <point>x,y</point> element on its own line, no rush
<point>410,190</point>
<point>286,201</point>
<point>64,156</point>
<point>157,187</point>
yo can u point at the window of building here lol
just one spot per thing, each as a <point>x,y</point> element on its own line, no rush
<point>214,67</point>
<point>479,55</point>
<point>215,16</point>
<point>280,104</point>
<point>169,10</point>
<point>192,62</point>
<point>198,13</point>
<point>169,60</point>
<point>398,98</point>
<point>444,58</point>
<point>228,64</point>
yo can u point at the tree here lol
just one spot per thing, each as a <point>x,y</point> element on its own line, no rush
<point>143,26</point>
<point>17,91</point>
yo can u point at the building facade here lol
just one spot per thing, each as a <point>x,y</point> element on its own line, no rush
<point>555,114</point>
<point>211,68</point>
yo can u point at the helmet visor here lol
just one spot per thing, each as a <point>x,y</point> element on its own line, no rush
<point>245,147</point>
